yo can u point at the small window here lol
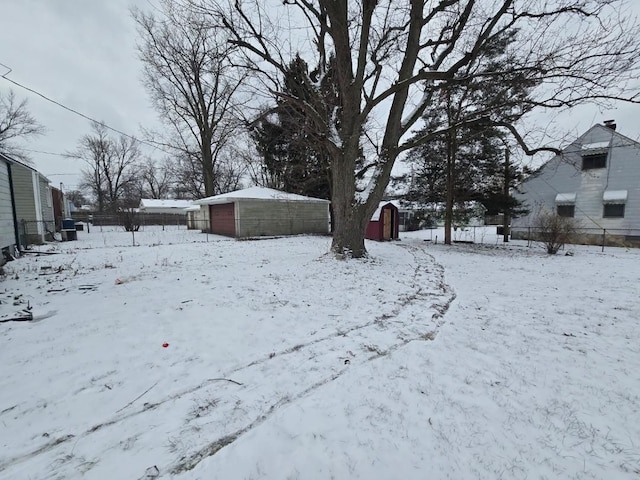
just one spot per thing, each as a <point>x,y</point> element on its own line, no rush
<point>589,162</point>
<point>613,210</point>
<point>566,210</point>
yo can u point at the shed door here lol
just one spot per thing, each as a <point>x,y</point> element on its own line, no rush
<point>223,221</point>
<point>386,224</point>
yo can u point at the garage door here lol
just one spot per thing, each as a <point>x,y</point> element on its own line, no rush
<point>223,220</point>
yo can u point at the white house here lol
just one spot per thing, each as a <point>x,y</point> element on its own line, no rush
<point>596,180</point>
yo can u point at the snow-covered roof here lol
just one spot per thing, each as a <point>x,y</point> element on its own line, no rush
<point>594,147</point>
<point>164,203</point>
<point>564,198</point>
<point>257,193</point>
<point>192,208</point>
<point>376,215</point>
<point>614,196</point>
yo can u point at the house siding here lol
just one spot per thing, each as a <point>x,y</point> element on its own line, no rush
<point>7,226</point>
<point>23,192</point>
<point>46,202</point>
<point>564,174</point>
<point>264,218</point>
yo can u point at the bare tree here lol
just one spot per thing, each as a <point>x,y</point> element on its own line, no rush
<point>16,123</point>
<point>76,197</point>
<point>192,84</point>
<point>187,171</point>
<point>554,231</point>
<point>383,52</point>
<point>189,182</point>
<point>156,178</point>
<point>111,166</point>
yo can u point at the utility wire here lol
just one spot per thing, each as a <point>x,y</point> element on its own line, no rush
<point>4,76</point>
<point>45,153</point>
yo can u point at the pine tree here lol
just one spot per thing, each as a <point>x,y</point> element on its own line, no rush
<point>466,161</point>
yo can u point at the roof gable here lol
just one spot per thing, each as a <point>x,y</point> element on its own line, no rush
<point>376,215</point>
<point>599,138</point>
<point>13,161</point>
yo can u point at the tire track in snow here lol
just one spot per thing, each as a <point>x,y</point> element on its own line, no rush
<point>308,362</point>
<point>404,337</point>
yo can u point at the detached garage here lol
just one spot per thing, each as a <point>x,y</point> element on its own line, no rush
<point>259,211</point>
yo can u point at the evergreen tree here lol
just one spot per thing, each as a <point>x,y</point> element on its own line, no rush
<point>465,162</point>
<point>288,143</point>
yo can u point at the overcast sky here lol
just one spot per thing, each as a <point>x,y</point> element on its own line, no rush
<point>82,54</point>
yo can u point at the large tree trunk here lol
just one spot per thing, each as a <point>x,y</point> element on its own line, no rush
<point>350,215</point>
<point>451,183</point>
<point>207,169</point>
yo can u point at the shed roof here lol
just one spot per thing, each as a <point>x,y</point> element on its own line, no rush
<point>164,203</point>
<point>376,215</point>
<point>258,193</point>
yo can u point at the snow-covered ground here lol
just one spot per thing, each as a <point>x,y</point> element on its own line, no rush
<point>198,357</point>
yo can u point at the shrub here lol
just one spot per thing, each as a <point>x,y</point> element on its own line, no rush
<point>130,219</point>
<point>555,231</point>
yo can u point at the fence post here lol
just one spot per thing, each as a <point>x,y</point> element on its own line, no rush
<point>604,235</point>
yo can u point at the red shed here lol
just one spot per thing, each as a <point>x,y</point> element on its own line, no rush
<point>385,223</point>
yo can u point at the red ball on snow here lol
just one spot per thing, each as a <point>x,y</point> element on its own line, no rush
<point>165,344</point>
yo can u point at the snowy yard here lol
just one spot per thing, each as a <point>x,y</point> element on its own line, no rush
<point>198,357</point>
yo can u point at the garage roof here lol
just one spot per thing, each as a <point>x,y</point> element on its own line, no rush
<point>164,203</point>
<point>258,193</point>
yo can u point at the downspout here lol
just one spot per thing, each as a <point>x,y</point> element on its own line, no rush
<point>37,198</point>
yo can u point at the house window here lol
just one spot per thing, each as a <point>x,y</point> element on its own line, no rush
<point>566,210</point>
<point>613,210</point>
<point>589,162</point>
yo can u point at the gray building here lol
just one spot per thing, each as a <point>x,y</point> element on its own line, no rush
<point>595,180</point>
<point>8,224</point>
<point>258,211</point>
<point>26,204</point>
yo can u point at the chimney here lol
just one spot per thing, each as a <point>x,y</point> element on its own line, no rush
<point>611,124</point>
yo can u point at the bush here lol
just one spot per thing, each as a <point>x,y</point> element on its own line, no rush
<point>555,231</point>
<point>130,220</point>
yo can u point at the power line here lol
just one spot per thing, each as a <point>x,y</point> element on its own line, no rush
<point>4,76</point>
<point>45,153</point>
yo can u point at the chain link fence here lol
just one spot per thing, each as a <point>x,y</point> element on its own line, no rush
<point>604,237</point>
<point>36,232</point>
<point>124,218</point>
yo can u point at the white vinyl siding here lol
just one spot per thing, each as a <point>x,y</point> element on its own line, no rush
<point>562,177</point>
<point>7,227</point>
